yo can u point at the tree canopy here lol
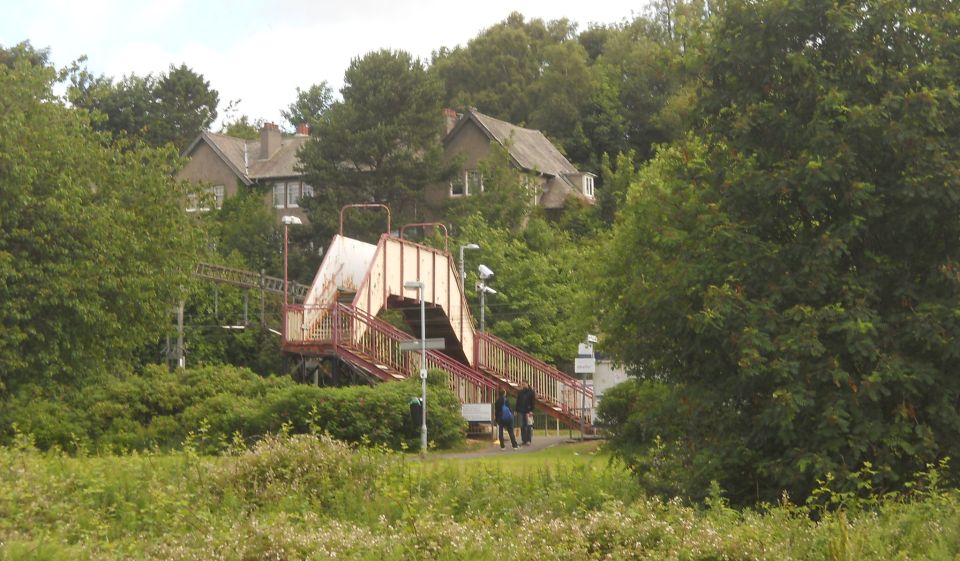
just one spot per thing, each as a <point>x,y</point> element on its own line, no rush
<point>94,243</point>
<point>540,276</point>
<point>617,88</point>
<point>789,268</point>
<point>309,105</point>
<point>380,144</point>
<point>172,108</point>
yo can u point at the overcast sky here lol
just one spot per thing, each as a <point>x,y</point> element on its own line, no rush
<point>259,52</point>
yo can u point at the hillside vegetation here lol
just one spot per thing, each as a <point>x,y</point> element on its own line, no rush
<point>310,497</point>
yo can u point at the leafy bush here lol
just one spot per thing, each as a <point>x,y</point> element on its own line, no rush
<point>213,405</point>
<point>317,469</point>
<point>378,414</point>
<point>311,497</point>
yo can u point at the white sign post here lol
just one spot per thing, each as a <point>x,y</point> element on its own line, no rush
<point>437,344</point>
<point>585,363</point>
<point>477,412</point>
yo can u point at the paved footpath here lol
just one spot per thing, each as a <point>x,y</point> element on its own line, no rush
<point>539,443</point>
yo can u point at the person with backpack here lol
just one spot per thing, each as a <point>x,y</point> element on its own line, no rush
<point>526,400</point>
<point>504,417</point>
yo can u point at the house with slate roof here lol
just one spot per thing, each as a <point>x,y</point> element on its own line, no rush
<point>222,165</point>
<point>469,136</point>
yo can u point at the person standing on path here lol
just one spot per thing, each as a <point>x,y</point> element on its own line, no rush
<point>504,417</point>
<point>526,400</point>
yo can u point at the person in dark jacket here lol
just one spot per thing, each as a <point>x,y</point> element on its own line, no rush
<point>504,417</point>
<point>526,401</point>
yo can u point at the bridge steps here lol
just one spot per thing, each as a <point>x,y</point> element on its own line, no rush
<point>339,319</point>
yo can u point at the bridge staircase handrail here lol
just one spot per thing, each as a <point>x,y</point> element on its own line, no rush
<point>555,388</point>
<point>382,341</point>
<point>248,279</point>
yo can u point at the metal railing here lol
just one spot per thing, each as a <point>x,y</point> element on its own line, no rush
<point>381,341</point>
<point>498,362</point>
<point>553,387</point>
<point>249,279</point>
<point>342,326</point>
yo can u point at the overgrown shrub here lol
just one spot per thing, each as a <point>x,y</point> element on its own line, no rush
<point>214,405</point>
<point>311,497</point>
<point>317,470</point>
<point>379,414</point>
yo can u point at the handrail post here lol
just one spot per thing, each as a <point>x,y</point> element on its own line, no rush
<point>335,327</point>
<point>364,205</point>
<point>442,226</point>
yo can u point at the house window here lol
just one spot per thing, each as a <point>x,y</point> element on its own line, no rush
<point>217,193</point>
<point>588,186</point>
<point>279,195</point>
<point>457,186</point>
<point>307,190</point>
<point>474,182</point>
<point>466,183</point>
<point>293,195</point>
<point>201,201</point>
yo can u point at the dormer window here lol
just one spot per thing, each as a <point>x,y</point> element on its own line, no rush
<point>588,186</point>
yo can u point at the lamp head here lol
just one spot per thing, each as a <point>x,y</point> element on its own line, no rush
<point>413,284</point>
<point>470,246</point>
<point>288,219</point>
<point>485,272</point>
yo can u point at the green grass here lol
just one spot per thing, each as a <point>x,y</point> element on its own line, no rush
<point>309,498</point>
<point>574,453</point>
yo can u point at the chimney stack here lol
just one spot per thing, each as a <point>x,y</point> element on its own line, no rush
<point>303,129</point>
<point>450,118</point>
<point>270,139</point>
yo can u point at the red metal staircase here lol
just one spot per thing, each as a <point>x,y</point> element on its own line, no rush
<point>477,363</point>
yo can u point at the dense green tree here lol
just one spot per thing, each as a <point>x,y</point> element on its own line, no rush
<point>594,40</point>
<point>172,108</point>
<point>248,229</point>
<point>529,73</point>
<point>378,145</point>
<point>309,105</point>
<point>603,123</point>
<point>790,270</point>
<point>617,179</point>
<point>507,199</point>
<point>185,105</point>
<point>242,127</point>
<point>23,52</point>
<point>560,96</point>
<point>611,89</point>
<point>640,65</point>
<point>541,276</point>
<point>498,68</point>
<point>94,243</point>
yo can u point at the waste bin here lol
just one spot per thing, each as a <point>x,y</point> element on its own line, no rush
<point>416,414</point>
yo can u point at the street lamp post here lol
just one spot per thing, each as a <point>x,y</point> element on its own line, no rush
<point>287,221</point>
<point>463,272</point>
<point>485,275</point>
<point>418,285</point>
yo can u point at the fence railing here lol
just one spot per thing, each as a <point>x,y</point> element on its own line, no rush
<point>345,327</point>
<point>381,341</point>
<point>553,387</point>
<point>249,279</point>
